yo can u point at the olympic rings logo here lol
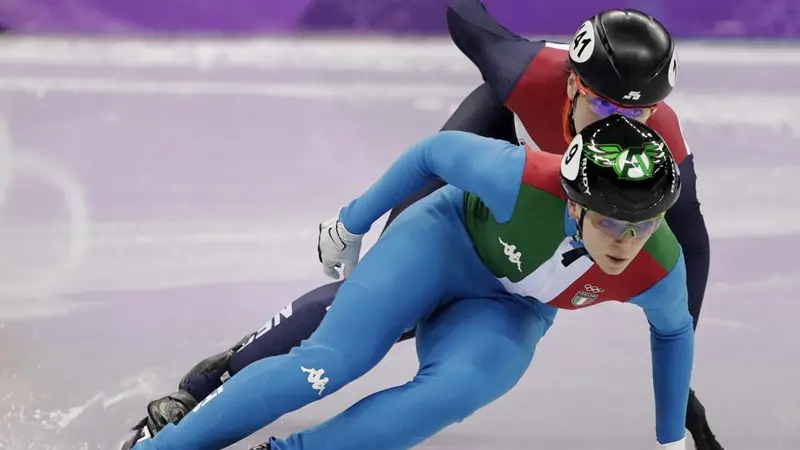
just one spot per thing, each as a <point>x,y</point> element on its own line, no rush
<point>593,289</point>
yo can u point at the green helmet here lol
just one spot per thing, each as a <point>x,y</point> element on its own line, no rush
<point>622,169</point>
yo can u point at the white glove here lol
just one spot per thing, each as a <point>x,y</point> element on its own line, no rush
<point>337,248</point>
<point>677,445</point>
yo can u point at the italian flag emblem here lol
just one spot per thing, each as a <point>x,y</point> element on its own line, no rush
<point>583,298</point>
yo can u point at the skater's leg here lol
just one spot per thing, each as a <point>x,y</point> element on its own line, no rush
<point>481,113</point>
<point>282,332</point>
<point>290,326</point>
<point>372,309</point>
<point>471,352</point>
<point>285,330</point>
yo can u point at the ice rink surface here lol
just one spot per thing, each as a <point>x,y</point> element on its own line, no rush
<point>159,200</point>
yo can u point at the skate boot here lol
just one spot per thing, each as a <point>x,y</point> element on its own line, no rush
<point>201,380</point>
<point>697,424</point>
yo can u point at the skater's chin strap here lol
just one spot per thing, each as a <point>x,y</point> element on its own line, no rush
<point>577,252</point>
<point>567,124</point>
<point>574,255</point>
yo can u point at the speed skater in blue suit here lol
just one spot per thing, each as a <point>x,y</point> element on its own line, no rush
<point>537,92</point>
<point>515,236</point>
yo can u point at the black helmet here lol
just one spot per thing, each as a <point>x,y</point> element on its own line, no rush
<point>625,56</point>
<point>620,168</point>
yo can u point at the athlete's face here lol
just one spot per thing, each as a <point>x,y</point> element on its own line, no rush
<point>590,108</point>
<point>612,243</point>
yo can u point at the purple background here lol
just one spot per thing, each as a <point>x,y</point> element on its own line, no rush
<point>159,198</point>
<point>686,18</point>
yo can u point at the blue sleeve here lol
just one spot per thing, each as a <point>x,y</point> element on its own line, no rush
<point>672,346</point>
<point>488,168</point>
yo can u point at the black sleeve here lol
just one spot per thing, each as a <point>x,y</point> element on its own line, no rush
<point>686,221</point>
<point>480,113</point>
<point>500,55</point>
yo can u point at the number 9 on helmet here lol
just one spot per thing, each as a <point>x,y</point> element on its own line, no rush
<point>622,169</point>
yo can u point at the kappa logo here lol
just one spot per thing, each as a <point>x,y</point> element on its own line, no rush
<point>514,257</point>
<point>315,377</point>
<point>587,296</point>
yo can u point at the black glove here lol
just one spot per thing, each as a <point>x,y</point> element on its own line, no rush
<point>160,413</point>
<point>169,409</point>
<point>697,424</point>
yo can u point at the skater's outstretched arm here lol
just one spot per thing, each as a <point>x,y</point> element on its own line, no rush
<point>672,347</point>
<point>488,168</point>
<point>482,113</point>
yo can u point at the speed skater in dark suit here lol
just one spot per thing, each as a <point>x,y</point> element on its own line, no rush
<point>538,93</point>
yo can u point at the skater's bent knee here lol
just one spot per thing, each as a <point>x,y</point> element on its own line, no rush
<point>467,387</point>
<point>490,369</point>
<point>458,392</point>
<point>498,358</point>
